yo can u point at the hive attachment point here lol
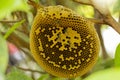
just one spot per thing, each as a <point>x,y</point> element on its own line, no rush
<point>34,4</point>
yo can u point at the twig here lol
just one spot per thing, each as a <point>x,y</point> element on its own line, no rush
<point>24,26</point>
<point>111,22</point>
<point>84,2</point>
<point>5,21</point>
<point>20,43</point>
<point>34,4</point>
<point>106,16</point>
<point>26,53</point>
<point>33,77</point>
<point>30,70</point>
<point>97,21</point>
<point>98,29</point>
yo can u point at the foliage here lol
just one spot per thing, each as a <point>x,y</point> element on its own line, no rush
<point>117,56</point>
<point>3,56</point>
<point>117,6</point>
<point>13,28</point>
<point>84,10</point>
<point>107,74</point>
<point>16,74</point>
<point>44,77</point>
<point>105,69</point>
<point>11,5</point>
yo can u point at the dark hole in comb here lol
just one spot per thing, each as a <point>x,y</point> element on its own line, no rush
<point>60,13</point>
<point>66,46</point>
<point>63,40</point>
<point>68,15</point>
<point>76,37</point>
<point>64,30</point>
<point>58,29</point>
<point>75,44</point>
<point>58,34</point>
<point>53,14</point>
<point>56,39</point>
<point>68,42</point>
<point>49,15</point>
<point>67,37</point>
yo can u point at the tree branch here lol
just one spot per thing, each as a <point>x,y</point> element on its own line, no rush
<point>88,2</point>
<point>30,70</point>
<point>97,21</point>
<point>109,20</point>
<point>98,29</point>
<point>106,16</point>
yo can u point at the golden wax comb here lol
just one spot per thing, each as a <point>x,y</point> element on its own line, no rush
<point>62,42</point>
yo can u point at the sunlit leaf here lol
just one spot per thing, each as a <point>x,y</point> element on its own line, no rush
<point>16,74</point>
<point>3,55</point>
<point>86,11</point>
<point>117,56</point>
<point>8,6</point>
<point>58,78</point>
<point>78,78</point>
<point>117,6</point>
<point>13,28</point>
<point>44,77</point>
<point>108,74</point>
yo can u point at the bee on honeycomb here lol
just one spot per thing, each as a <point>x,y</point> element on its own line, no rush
<point>62,42</point>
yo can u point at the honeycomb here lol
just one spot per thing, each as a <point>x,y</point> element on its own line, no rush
<point>63,43</point>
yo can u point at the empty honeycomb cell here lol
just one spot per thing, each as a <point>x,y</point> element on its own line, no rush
<point>63,43</point>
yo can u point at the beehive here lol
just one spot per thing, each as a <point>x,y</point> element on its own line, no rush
<point>63,43</point>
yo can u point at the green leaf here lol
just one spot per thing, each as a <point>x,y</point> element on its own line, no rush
<point>3,55</point>
<point>117,56</point>
<point>44,77</point>
<point>84,10</point>
<point>78,78</point>
<point>108,74</point>
<point>16,74</point>
<point>7,7</point>
<point>13,28</point>
<point>58,78</point>
<point>117,6</point>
